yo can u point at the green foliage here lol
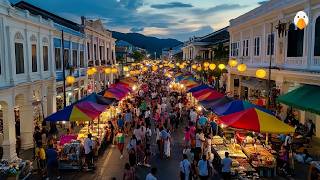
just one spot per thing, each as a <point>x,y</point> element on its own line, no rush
<point>138,56</point>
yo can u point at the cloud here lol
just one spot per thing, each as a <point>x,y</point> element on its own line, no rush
<point>136,29</point>
<point>216,9</point>
<point>171,5</point>
<point>263,2</point>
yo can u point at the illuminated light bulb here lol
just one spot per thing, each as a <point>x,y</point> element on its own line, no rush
<point>242,67</point>
<point>221,66</point>
<point>212,66</point>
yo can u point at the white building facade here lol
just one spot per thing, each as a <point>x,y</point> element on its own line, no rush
<point>294,54</point>
<point>27,75</point>
<point>100,48</point>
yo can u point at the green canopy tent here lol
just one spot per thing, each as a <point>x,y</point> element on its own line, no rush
<point>306,97</point>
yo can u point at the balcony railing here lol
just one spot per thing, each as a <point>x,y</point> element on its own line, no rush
<point>97,62</point>
<point>316,60</point>
<point>103,62</point>
<point>295,61</point>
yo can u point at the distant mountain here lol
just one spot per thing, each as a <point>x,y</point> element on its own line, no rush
<point>151,44</point>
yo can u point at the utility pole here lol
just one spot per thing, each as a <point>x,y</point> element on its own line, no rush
<point>63,71</point>
<point>270,63</point>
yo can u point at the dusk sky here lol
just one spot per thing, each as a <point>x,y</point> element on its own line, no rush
<point>160,18</point>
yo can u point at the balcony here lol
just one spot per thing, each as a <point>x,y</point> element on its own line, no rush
<point>97,62</point>
<point>103,62</point>
<point>316,61</point>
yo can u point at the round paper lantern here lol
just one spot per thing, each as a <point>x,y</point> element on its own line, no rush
<point>242,67</point>
<point>90,72</point>
<point>212,66</point>
<point>70,79</point>
<point>154,68</point>
<point>233,62</point>
<point>199,68</point>
<point>114,70</point>
<point>161,66</point>
<point>107,70</point>
<point>194,66</point>
<point>94,70</point>
<point>221,66</point>
<point>125,68</point>
<point>171,65</point>
<point>131,73</point>
<point>144,69</point>
<point>177,64</point>
<point>261,73</point>
<point>206,64</point>
<point>181,66</point>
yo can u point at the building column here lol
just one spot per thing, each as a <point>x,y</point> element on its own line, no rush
<point>302,117</point>
<point>9,133</point>
<point>230,84</point>
<point>51,100</point>
<point>26,122</point>
<point>317,123</point>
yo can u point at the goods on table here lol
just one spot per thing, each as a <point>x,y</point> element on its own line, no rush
<point>259,156</point>
<point>19,168</point>
<point>217,140</point>
<point>69,155</point>
<point>233,151</point>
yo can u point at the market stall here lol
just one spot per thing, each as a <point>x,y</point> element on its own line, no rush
<point>18,169</point>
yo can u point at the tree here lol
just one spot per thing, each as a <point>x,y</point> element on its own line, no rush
<point>137,56</point>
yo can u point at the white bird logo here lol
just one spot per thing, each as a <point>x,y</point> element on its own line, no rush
<point>301,20</point>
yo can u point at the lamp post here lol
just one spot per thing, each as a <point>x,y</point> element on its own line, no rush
<point>63,71</point>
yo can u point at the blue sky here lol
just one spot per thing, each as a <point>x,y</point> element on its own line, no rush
<point>178,19</point>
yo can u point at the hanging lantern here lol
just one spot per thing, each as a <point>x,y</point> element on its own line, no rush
<point>90,72</point>
<point>184,63</point>
<point>221,66</point>
<point>242,67</point>
<point>261,73</point>
<point>206,64</point>
<point>137,72</point>
<point>181,66</point>
<point>144,69</point>
<point>70,79</point>
<point>114,70</point>
<point>233,62</point>
<point>161,66</point>
<point>131,73</point>
<point>133,64</point>
<point>94,70</point>
<point>125,68</point>
<point>171,65</point>
<point>206,69</point>
<point>212,66</point>
<point>194,66</point>
<point>199,68</point>
<point>154,68</point>
<point>177,64</point>
<point>107,70</point>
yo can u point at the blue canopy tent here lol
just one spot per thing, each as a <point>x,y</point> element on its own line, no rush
<point>62,115</point>
<point>237,106</point>
<point>216,102</point>
<point>198,88</point>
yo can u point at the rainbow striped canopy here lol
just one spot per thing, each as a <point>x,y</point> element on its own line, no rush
<point>256,120</point>
<point>82,111</point>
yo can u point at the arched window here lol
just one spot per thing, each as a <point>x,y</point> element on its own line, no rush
<point>295,42</point>
<point>34,53</point>
<point>19,53</point>
<point>317,38</point>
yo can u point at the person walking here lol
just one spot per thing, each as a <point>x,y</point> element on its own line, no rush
<point>185,168</point>
<point>129,172</point>
<point>152,174</point>
<point>167,145</point>
<point>88,150</point>
<point>52,163</point>
<point>226,167</point>
<point>204,168</point>
<point>120,142</point>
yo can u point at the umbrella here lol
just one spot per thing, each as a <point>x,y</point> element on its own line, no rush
<point>84,111</point>
<point>208,104</point>
<point>256,120</point>
<point>236,106</point>
<point>198,88</point>
<point>202,92</point>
